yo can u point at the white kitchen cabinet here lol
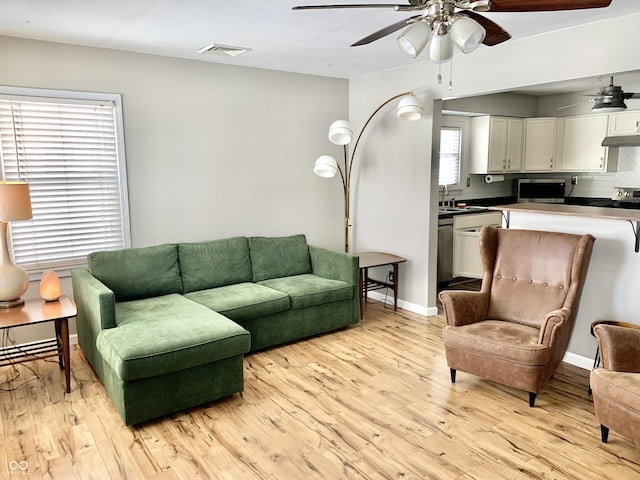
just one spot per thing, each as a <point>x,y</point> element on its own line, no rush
<point>582,150</point>
<point>540,144</point>
<point>624,123</point>
<point>466,242</point>
<point>496,144</point>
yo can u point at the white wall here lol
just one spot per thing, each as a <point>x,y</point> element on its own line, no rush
<point>401,188</point>
<point>212,150</point>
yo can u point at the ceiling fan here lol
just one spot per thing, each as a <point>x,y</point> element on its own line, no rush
<point>607,100</point>
<point>445,23</point>
<point>611,98</point>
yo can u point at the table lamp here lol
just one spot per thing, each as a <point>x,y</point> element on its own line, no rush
<point>15,204</point>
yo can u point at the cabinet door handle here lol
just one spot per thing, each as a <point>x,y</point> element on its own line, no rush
<point>601,162</point>
<point>637,126</point>
<point>551,163</point>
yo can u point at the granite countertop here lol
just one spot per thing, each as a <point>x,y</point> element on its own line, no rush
<point>611,213</point>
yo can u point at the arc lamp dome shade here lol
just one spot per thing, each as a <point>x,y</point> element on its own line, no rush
<point>340,132</point>
<point>325,166</point>
<point>410,108</point>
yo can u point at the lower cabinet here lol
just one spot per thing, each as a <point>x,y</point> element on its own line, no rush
<point>466,237</point>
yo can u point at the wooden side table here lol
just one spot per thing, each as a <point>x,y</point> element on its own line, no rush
<point>40,311</point>
<point>377,259</point>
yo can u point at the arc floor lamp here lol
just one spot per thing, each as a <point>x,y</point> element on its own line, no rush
<point>341,133</point>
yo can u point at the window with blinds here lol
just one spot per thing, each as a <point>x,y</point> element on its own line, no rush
<point>70,151</point>
<point>449,173</point>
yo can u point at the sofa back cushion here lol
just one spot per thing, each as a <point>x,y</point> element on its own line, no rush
<point>136,273</point>
<point>215,263</point>
<point>275,257</point>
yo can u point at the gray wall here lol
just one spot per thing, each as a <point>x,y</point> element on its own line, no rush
<point>212,150</point>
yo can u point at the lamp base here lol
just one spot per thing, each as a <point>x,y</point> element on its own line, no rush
<point>11,303</point>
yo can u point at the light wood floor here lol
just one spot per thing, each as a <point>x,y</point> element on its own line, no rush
<point>369,402</point>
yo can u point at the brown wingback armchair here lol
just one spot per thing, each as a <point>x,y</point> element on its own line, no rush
<point>616,386</point>
<point>515,331</point>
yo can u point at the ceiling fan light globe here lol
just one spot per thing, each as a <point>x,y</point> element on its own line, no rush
<point>325,166</point>
<point>600,107</point>
<point>410,108</point>
<point>340,132</point>
<point>440,48</point>
<point>414,38</point>
<point>467,34</point>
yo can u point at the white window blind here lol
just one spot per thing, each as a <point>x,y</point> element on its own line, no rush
<point>69,150</point>
<point>449,172</point>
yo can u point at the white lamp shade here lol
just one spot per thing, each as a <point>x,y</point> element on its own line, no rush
<point>325,166</point>
<point>466,33</point>
<point>410,108</point>
<point>15,202</point>
<point>440,48</point>
<point>414,38</point>
<point>340,132</point>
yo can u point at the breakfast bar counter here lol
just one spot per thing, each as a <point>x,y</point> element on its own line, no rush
<point>609,213</point>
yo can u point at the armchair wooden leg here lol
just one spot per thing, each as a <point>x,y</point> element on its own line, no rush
<point>453,375</point>
<point>532,399</point>
<point>604,433</point>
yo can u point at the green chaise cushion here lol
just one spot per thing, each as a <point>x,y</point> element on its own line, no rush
<point>307,290</point>
<point>242,301</point>
<point>165,334</point>
<point>136,273</point>
<point>277,257</point>
<point>215,263</point>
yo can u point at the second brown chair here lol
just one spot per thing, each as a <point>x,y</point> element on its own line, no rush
<point>515,331</point>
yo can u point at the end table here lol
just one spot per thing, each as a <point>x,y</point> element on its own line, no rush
<point>36,311</point>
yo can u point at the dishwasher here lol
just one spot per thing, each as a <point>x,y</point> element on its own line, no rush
<point>445,250</point>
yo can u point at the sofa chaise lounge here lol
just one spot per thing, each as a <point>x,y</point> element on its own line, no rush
<point>166,327</point>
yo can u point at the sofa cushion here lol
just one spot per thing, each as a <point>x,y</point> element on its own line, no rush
<point>242,301</point>
<point>136,273</point>
<point>277,257</point>
<point>215,263</point>
<point>307,290</point>
<point>165,334</point>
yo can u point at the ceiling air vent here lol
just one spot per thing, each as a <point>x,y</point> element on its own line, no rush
<point>219,49</point>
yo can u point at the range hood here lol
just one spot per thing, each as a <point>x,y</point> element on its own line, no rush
<point>621,141</point>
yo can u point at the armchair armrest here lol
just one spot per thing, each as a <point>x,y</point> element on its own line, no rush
<point>619,347</point>
<point>463,308</point>
<point>552,324</point>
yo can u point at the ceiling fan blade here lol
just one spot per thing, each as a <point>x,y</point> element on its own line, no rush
<point>394,27</point>
<point>631,95</point>
<point>545,5</point>
<point>495,33</point>
<point>353,5</point>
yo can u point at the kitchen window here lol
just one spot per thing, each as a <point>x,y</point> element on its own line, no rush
<point>450,141</point>
<point>69,147</point>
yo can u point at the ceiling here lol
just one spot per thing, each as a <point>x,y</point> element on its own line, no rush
<point>310,42</point>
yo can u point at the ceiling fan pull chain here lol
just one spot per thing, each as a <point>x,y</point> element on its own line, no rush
<point>451,74</point>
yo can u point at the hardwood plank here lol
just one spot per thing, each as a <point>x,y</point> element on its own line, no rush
<point>373,401</point>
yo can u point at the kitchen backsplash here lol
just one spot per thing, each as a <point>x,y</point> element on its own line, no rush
<point>595,185</point>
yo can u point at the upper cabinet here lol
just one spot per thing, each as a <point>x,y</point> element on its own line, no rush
<point>582,150</point>
<point>540,144</point>
<point>496,144</point>
<point>624,123</point>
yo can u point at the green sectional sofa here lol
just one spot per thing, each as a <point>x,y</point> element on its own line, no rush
<point>166,327</point>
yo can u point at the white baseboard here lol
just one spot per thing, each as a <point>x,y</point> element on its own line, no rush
<point>412,307</point>
<point>578,360</point>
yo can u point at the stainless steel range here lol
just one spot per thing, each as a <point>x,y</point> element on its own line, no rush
<point>626,194</point>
